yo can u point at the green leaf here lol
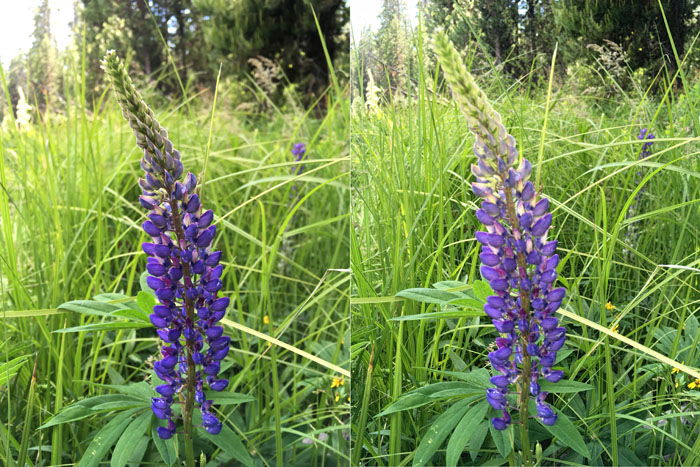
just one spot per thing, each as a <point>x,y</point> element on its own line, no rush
<point>133,315</point>
<point>503,439</point>
<point>463,313</point>
<point>105,439</point>
<point>87,407</point>
<point>146,301</point>
<point>9,369</point>
<point>405,402</point>
<point>439,297</point>
<point>564,386</point>
<point>482,290</point>
<point>111,326</point>
<point>229,442</point>
<point>429,393</point>
<point>470,303</point>
<point>144,284</point>
<point>89,307</point>
<point>566,432</point>
<point>628,457</point>
<point>117,299</point>
<point>228,398</point>
<point>132,436</point>
<point>165,447</point>
<point>438,431</point>
<point>477,439</point>
<point>478,379</point>
<point>444,285</point>
<point>464,431</point>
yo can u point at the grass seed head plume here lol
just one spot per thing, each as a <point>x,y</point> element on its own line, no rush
<point>517,258</point>
<point>184,271</point>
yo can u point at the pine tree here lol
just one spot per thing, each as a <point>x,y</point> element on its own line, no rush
<point>43,66</point>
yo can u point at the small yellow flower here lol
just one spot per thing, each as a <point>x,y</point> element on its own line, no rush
<point>609,306</point>
<point>675,370</point>
<point>337,382</point>
<point>266,319</point>
<point>614,329</point>
<point>337,397</point>
<point>348,399</point>
<point>694,384</point>
<point>676,383</point>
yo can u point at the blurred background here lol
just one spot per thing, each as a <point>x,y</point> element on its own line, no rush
<point>269,45</point>
<point>633,43</point>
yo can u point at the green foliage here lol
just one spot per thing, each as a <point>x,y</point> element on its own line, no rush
<point>42,61</point>
<point>646,35</point>
<point>71,301</point>
<point>413,213</point>
<point>284,31</point>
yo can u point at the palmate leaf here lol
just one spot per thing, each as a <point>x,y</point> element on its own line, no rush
<point>477,438</point>
<point>227,440</point>
<point>459,299</point>
<point>438,431</point>
<point>106,438</point>
<point>111,306</point>
<point>133,441</point>
<point>166,448</point>
<point>431,393</point>
<point>434,296</point>
<point>564,431</point>
<point>472,385</point>
<point>564,386</point>
<point>465,431</point>
<point>503,439</point>
<point>91,406</point>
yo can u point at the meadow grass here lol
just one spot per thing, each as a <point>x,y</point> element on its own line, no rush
<point>70,223</point>
<point>414,224</point>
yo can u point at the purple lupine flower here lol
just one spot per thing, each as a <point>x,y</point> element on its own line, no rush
<point>646,136</point>
<point>298,151</point>
<point>185,273</point>
<point>519,263</point>
<point>518,259</point>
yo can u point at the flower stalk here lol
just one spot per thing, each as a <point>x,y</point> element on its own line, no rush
<point>518,260</point>
<point>184,272</point>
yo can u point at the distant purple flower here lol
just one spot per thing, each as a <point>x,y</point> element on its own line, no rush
<point>298,151</point>
<point>647,136</point>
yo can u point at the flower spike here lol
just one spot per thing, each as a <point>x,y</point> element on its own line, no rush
<point>184,270</point>
<point>519,260</point>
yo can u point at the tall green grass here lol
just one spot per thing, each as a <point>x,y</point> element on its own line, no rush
<point>70,225</point>
<point>413,225</point>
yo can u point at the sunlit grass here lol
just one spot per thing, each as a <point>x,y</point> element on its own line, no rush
<point>70,225</point>
<point>413,225</point>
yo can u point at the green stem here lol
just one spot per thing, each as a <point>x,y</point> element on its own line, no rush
<point>523,399</point>
<point>189,344</point>
<point>524,416</point>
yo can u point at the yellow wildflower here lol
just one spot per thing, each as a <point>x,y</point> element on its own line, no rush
<point>675,370</point>
<point>337,382</point>
<point>266,319</point>
<point>609,306</point>
<point>337,397</point>
<point>614,328</point>
<point>694,384</point>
